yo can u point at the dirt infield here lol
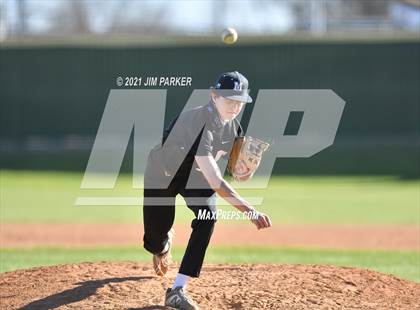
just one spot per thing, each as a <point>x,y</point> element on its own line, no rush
<point>130,285</point>
<point>308,236</point>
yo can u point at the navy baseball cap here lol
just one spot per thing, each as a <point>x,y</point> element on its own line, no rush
<point>234,86</point>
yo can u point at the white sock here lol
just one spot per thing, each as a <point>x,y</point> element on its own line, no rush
<point>180,280</point>
<point>165,249</point>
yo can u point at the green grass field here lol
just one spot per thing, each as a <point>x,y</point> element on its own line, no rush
<point>402,264</point>
<point>49,197</point>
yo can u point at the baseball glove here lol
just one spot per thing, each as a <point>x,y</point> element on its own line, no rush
<point>246,152</point>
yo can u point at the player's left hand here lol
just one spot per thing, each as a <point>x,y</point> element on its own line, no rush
<point>244,173</point>
<point>242,169</point>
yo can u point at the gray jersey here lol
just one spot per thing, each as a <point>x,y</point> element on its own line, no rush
<point>200,132</point>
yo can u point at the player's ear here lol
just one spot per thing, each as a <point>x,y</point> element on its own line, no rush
<point>213,95</point>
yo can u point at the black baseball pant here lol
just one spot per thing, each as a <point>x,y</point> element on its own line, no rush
<point>158,220</point>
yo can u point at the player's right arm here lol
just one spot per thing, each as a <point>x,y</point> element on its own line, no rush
<point>212,174</point>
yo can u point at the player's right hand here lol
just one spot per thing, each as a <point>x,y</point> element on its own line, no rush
<point>261,220</point>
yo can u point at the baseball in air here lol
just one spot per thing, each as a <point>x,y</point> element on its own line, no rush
<point>229,36</point>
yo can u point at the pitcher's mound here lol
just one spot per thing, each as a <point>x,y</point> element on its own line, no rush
<point>129,285</point>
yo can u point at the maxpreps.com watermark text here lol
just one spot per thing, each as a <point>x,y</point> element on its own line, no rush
<point>204,214</point>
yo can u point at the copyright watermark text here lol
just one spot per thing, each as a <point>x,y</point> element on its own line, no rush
<point>153,81</point>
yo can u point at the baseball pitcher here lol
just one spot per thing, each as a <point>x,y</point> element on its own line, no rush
<point>187,157</point>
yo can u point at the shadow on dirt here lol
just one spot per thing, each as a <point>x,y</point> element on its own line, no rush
<point>84,290</point>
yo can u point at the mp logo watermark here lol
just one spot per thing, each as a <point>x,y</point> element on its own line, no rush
<point>140,113</point>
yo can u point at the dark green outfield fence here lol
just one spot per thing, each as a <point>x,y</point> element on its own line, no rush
<point>57,92</point>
